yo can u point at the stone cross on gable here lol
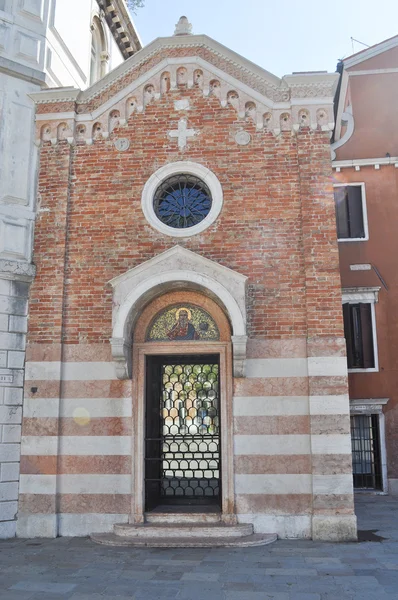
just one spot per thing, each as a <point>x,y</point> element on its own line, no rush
<point>182,133</point>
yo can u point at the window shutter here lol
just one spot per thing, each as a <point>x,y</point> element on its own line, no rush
<point>348,335</point>
<point>355,215</point>
<point>340,202</point>
<point>367,335</point>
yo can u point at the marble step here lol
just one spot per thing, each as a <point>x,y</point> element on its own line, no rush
<point>255,539</point>
<point>183,530</point>
<point>183,518</point>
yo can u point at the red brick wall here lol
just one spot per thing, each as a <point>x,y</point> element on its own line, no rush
<point>277,225</point>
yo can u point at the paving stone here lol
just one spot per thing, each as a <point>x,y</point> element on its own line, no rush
<point>77,569</point>
<point>36,586</point>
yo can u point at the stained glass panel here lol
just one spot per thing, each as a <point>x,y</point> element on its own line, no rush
<point>182,201</point>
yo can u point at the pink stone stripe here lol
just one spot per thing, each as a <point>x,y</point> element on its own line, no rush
<point>43,352</point>
<point>286,348</point>
<point>325,424</point>
<point>80,389</point>
<point>75,503</point>
<point>274,504</point>
<point>342,503</point>
<point>68,426</point>
<point>331,464</point>
<point>326,346</point>
<point>328,386</point>
<point>276,464</point>
<point>271,425</point>
<point>273,386</point>
<point>69,352</point>
<point>51,465</point>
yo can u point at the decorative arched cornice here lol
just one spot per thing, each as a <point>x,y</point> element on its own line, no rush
<point>295,102</point>
<point>176,267</point>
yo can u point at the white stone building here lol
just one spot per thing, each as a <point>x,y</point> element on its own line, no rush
<point>43,44</point>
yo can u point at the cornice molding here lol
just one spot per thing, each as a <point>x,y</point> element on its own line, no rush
<point>121,26</point>
<point>367,405</point>
<point>14,269</point>
<point>70,119</point>
<point>357,163</point>
<point>277,90</point>
<point>354,295</point>
<point>14,69</point>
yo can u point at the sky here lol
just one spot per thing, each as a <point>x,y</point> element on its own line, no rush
<point>281,36</point>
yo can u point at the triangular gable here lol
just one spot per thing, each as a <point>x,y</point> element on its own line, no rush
<point>297,100</point>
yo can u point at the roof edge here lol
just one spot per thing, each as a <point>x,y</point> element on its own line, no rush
<point>370,52</point>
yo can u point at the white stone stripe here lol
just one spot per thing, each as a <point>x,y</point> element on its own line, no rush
<point>75,484</point>
<point>246,406</point>
<point>267,445</point>
<point>70,371</point>
<point>110,445</point>
<point>329,405</point>
<point>332,484</point>
<point>328,366</point>
<point>273,484</point>
<point>276,367</point>
<point>286,526</point>
<point>331,444</point>
<point>77,407</point>
<point>78,525</point>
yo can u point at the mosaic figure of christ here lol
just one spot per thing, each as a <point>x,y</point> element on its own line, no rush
<point>183,328</point>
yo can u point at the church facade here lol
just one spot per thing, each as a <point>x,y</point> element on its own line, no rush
<point>185,345</point>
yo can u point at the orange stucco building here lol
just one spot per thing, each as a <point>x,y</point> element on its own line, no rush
<point>365,161</point>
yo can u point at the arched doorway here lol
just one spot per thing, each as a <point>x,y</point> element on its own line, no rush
<point>182,402</point>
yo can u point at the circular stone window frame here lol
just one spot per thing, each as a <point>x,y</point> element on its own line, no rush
<point>180,168</point>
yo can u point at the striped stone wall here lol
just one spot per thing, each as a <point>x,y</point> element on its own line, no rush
<point>291,437</point>
<point>76,444</point>
<point>292,440</point>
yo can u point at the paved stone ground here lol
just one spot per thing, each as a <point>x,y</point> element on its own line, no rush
<point>77,569</point>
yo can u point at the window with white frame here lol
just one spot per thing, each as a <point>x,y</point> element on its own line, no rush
<point>351,217</point>
<point>360,328</point>
<point>369,457</point>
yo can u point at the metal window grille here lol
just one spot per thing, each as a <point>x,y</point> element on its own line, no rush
<point>366,458</point>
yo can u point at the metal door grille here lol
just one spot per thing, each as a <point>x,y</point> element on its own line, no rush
<point>365,441</point>
<point>188,443</point>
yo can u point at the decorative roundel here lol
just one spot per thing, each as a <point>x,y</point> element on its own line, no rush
<point>182,201</point>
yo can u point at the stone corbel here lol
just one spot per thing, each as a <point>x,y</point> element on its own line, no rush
<point>121,354</point>
<point>239,345</point>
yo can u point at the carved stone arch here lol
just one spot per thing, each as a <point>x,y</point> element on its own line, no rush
<point>215,88</point>
<point>304,118</point>
<point>45,132</point>
<point>198,78</point>
<point>177,268</point>
<point>251,111</point>
<point>182,76</point>
<point>233,99</point>
<point>165,82</point>
<point>114,119</point>
<point>285,121</point>
<point>97,131</point>
<point>131,105</point>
